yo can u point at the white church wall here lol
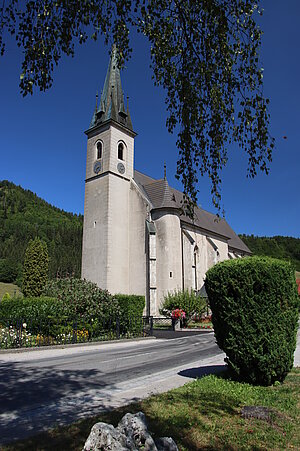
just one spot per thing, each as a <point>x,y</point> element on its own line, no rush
<point>118,235</point>
<point>95,245</point>
<point>208,251</point>
<point>137,239</point>
<point>168,253</point>
<point>188,261</point>
<point>199,245</point>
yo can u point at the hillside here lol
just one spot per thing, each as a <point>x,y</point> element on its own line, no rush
<point>284,247</point>
<point>23,215</point>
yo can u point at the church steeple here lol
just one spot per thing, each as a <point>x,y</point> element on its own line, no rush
<point>112,98</point>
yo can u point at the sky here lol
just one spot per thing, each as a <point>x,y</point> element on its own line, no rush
<point>43,145</point>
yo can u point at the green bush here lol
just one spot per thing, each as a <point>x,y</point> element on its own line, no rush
<point>131,309</point>
<point>91,307</point>
<point>187,300</point>
<point>255,311</point>
<point>35,269</point>
<point>36,313</point>
<point>81,298</point>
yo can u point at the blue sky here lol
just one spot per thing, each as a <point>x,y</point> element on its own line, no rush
<point>43,147</point>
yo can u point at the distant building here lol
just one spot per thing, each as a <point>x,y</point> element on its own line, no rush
<point>135,239</point>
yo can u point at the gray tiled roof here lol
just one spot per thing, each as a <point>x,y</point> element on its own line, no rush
<point>161,195</point>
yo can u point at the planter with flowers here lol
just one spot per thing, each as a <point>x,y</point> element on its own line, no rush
<point>177,316</point>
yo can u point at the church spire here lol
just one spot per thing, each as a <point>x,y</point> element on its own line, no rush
<point>112,98</point>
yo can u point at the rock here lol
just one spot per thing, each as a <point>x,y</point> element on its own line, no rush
<point>104,437</point>
<point>131,434</point>
<point>166,444</point>
<point>135,428</point>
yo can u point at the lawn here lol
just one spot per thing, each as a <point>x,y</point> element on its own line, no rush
<point>202,415</point>
<point>9,288</point>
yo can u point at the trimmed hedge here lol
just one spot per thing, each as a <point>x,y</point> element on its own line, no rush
<point>255,311</point>
<point>35,312</point>
<point>187,300</point>
<point>73,310</point>
<point>131,309</point>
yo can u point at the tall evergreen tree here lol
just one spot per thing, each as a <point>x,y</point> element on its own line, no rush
<point>36,266</point>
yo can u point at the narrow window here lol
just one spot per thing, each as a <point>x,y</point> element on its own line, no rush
<point>171,274</point>
<point>121,151</point>
<point>99,150</point>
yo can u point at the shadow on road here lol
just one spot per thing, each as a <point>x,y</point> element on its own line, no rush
<point>196,373</point>
<point>171,335</point>
<point>34,399</point>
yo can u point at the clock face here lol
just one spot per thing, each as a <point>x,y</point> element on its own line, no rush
<point>121,168</point>
<point>97,167</point>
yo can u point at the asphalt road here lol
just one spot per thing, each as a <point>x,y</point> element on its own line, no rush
<point>43,388</point>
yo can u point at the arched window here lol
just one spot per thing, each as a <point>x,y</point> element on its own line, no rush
<point>121,151</point>
<point>99,150</point>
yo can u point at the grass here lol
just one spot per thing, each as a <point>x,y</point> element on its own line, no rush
<point>202,415</point>
<point>9,288</point>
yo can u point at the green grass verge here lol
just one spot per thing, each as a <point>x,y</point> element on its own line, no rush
<point>202,415</point>
<point>9,288</point>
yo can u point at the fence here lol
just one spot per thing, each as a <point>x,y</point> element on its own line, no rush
<point>20,333</point>
<point>162,323</point>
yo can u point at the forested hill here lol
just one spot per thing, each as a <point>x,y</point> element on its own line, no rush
<point>23,215</point>
<point>283,247</point>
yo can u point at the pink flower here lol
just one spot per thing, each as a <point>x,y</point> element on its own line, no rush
<point>178,314</point>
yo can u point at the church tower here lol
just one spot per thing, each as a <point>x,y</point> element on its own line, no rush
<point>109,170</point>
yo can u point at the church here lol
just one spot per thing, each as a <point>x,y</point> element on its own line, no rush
<point>136,240</point>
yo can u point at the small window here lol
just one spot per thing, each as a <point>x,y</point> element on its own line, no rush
<point>99,150</point>
<point>121,151</point>
<point>171,274</point>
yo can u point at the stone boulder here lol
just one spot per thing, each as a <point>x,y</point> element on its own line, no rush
<point>104,436</point>
<point>131,434</point>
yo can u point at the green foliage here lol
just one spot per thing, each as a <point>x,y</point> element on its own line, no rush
<point>6,297</point>
<point>255,309</point>
<point>205,54</point>
<point>8,270</point>
<point>283,247</point>
<point>81,298</point>
<point>186,300</point>
<point>35,270</point>
<point>23,216</point>
<point>36,313</point>
<point>131,309</point>
<point>71,310</point>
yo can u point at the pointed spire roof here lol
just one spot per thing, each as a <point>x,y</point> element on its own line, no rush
<point>111,105</point>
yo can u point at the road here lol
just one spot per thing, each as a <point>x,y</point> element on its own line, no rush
<point>42,388</point>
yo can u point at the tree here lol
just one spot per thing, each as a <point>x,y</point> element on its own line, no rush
<point>35,269</point>
<point>255,313</point>
<point>8,270</point>
<point>204,53</point>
